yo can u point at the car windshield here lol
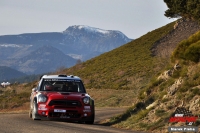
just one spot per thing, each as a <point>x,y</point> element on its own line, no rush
<point>62,85</point>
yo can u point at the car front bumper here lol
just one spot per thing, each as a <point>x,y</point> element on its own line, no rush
<point>73,113</point>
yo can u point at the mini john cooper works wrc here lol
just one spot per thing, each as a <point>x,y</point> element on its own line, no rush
<point>61,97</point>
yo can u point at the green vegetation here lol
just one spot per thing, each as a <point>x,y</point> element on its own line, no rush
<point>113,79</point>
<point>137,116</point>
<point>13,97</point>
<point>159,112</point>
<point>187,54</point>
<point>112,98</point>
<point>183,8</point>
<point>128,76</point>
<point>130,66</point>
<point>193,52</point>
<point>188,49</point>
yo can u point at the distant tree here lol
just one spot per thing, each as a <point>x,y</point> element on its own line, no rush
<point>183,8</point>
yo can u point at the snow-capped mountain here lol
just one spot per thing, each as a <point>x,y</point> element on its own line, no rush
<point>87,28</point>
<point>92,30</point>
<point>78,41</point>
<point>93,40</point>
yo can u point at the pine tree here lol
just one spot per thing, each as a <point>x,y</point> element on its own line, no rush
<point>183,8</point>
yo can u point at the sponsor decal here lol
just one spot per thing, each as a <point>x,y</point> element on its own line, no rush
<point>86,107</point>
<point>183,115</point>
<point>86,110</point>
<point>61,80</point>
<point>42,107</point>
<point>60,110</point>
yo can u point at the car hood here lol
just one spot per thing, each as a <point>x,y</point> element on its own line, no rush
<point>64,95</point>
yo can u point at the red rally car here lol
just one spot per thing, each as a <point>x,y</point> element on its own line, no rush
<point>61,97</point>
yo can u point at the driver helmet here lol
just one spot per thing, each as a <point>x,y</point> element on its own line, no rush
<point>48,87</point>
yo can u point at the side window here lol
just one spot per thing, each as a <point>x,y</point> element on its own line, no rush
<point>81,88</point>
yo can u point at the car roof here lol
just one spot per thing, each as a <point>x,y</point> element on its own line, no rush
<point>60,77</point>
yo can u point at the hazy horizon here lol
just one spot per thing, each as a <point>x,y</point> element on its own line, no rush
<point>133,18</point>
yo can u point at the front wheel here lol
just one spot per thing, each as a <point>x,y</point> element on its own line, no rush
<point>91,121</point>
<point>30,113</point>
<point>34,113</point>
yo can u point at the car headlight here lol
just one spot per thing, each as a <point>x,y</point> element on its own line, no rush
<point>86,100</point>
<point>42,98</point>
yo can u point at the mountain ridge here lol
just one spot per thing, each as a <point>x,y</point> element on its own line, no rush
<point>7,73</point>
<point>29,64</point>
<point>74,42</point>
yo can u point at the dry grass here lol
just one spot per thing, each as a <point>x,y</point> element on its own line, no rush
<point>24,109</point>
<point>113,98</point>
<point>102,97</point>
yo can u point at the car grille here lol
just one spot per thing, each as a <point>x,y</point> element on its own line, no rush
<point>64,103</point>
<point>68,114</point>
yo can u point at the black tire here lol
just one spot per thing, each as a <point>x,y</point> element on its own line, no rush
<point>34,113</point>
<point>30,113</point>
<point>91,121</point>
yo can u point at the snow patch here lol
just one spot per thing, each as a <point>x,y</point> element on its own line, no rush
<point>76,56</point>
<point>10,45</point>
<point>92,29</point>
<point>14,45</point>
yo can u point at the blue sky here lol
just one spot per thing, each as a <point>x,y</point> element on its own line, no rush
<point>132,17</point>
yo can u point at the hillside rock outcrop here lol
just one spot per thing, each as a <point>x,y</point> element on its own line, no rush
<point>173,88</point>
<point>182,30</point>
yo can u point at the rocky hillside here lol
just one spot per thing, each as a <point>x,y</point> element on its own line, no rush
<point>183,29</point>
<point>176,90</point>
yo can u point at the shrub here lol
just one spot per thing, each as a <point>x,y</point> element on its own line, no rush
<point>190,96</point>
<point>159,112</point>
<point>162,94</point>
<point>143,125</point>
<point>195,91</point>
<point>176,74</point>
<point>196,76</point>
<point>142,114</point>
<point>192,53</point>
<point>140,105</point>
<point>165,100</point>
<point>183,89</point>
<point>156,83</point>
<point>188,49</point>
<point>183,72</point>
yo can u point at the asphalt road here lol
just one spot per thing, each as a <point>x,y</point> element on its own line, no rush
<point>21,123</point>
